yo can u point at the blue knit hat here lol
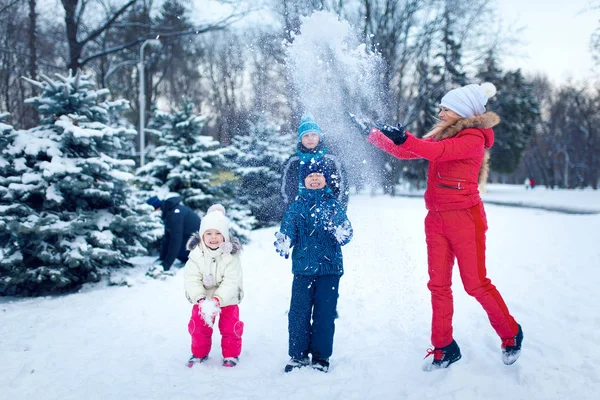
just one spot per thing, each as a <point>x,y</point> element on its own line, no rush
<point>154,202</point>
<point>308,125</point>
<point>314,166</point>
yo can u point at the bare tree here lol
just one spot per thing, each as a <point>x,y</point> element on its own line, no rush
<point>225,69</point>
<point>74,24</point>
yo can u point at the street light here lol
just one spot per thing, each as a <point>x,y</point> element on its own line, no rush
<point>143,96</point>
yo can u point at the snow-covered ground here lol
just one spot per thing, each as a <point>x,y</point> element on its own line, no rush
<point>132,342</point>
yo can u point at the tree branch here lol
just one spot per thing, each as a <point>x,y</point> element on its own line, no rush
<point>7,6</point>
<point>197,31</point>
<point>95,33</point>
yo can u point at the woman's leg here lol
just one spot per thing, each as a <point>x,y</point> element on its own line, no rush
<point>468,242</point>
<point>440,260</point>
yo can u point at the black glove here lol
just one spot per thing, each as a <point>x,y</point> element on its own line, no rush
<point>395,133</point>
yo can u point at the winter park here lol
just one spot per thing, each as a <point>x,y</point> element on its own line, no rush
<point>296,199</point>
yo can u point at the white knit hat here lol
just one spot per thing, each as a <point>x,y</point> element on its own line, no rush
<point>470,100</point>
<point>215,219</point>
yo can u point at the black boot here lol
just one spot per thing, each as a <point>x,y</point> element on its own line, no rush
<point>321,365</point>
<point>295,363</point>
<point>511,348</point>
<point>443,356</point>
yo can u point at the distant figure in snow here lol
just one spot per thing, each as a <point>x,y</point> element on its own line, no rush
<point>527,183</point>
<point>311,147</point>
<point>213,284</point>
<point>456,223</point>
<point>532,183</point>
<point>316,226</point>
<point>180,223</point>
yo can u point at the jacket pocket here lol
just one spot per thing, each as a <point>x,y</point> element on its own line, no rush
<point>449,182</point>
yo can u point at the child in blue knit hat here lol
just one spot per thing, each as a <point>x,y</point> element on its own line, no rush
<point>316,226</point>
<point>311,148</point>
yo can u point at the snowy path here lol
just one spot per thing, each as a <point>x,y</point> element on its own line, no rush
<point>132,343</point>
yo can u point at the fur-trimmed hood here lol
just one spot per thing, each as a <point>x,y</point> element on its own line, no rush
<point>485,120</point>
<point>232,246</point>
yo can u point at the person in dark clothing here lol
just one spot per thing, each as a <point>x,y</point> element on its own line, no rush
<point>181,222</point>
<point>316,226</point>
<point>311,147</point>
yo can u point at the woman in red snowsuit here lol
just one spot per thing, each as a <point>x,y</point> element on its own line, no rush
<point>456,223</point>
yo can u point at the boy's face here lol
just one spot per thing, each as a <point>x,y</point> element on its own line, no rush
<point>310,140</point>
<point>213,238</point>
<point>315,181</point>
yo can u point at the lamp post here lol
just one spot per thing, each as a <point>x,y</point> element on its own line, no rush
<point>142,96</point>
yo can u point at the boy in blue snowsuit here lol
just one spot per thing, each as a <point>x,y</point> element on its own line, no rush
<point>316,226</point>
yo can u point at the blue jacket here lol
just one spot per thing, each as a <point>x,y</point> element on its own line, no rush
<point>290,179</point>
<point>310,223</point>
<point>180,223</point>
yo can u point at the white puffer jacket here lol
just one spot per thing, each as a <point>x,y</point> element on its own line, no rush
<point>214,273</point>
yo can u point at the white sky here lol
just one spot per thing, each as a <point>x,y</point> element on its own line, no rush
<point>556,36</point>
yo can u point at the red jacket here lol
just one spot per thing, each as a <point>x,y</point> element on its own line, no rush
<point>455,158</point>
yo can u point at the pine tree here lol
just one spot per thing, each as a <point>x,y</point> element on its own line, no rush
<point>68,221</point>
<point>192,165</point>
<point>451,54</point>
<point>519,110</point>
<point>259,156</point>
<point>7,135</point>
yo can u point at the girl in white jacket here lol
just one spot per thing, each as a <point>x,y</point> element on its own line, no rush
<point>213,284</point>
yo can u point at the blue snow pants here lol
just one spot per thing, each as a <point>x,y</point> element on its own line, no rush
<point>313,296</point>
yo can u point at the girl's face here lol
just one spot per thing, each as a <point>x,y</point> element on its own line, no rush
<point>310,140</point>
<point>213,238</point>
<point>448,116</point>
<point>315,181</point>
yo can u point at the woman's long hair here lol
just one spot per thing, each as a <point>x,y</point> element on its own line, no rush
<point>437,130</point>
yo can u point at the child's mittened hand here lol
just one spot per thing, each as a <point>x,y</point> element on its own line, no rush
<point>341,233</point>
<point>282,244</point>
<point>226,247</point>
<point>208,310</point>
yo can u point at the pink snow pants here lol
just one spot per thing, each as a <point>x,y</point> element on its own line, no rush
<point>231,329</point>
<point>460,234</point>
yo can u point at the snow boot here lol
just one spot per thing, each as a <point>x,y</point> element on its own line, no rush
<point>321,365</point>
<point>195,360</point>
<point>295,363</point>
<point>511,348</point>
<point>230,361</point>
<point>443,356</point>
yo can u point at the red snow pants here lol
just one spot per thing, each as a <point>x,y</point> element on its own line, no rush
<point>231,329</point>
<point>460,234</point>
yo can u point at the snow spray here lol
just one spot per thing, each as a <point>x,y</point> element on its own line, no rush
<point>333,73</point>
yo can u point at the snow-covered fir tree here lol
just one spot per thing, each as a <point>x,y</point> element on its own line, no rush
<point>64,205</point>
<point>259,156</point>
<point>7,134</point>
<point>191,165</point>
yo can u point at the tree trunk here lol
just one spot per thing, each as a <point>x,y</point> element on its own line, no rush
<point>32,40</point>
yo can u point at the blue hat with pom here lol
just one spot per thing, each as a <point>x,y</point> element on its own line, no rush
<point>308,125</point>
<point>154,202</point>
<point>316,166</point>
